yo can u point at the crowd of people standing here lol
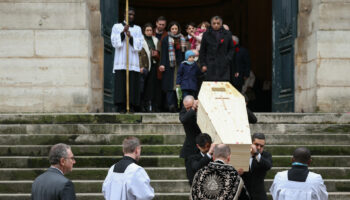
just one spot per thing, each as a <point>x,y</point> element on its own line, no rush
<point>165,65</point>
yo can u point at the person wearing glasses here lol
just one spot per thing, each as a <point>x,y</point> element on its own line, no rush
<point>52,184</point>
<point>260,163</point>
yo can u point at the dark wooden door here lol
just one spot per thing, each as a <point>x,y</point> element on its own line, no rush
<point>109,11</point>
<point>284,33</point>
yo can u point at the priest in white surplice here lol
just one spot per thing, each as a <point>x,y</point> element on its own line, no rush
<point>118,39</point>
<point>299,183</point>
<point>126,180</point>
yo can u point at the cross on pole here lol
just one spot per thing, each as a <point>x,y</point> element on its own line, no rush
<point>127,57</point>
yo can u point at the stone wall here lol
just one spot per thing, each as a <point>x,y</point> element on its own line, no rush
<point>51,56</point>
<point>323,56</point>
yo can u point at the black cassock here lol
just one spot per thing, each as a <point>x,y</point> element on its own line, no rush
<point>120,88</point>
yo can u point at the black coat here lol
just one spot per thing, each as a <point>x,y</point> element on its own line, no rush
<point>189,121</point>
<point>254,179</point>
<point>251,117</point>
<point>217,55</point>
<point>52,185</point>
<point>194,163</point>
<point>168,74</point>
<point>242,66</point>
<point>187,76</point>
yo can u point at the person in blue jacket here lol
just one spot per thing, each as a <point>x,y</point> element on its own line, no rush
<point>187,75</point>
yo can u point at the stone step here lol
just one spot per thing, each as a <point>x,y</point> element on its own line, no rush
<point>164,128</point>
<point>155,173</point>
<point>300,128</point>
<point>87,139</point>
<point>158,196</point>
<point>67,118</point>
<point>174,149</point>
<point>114,139</point>
<point>160,186</point>
<point>64,118</point>
<point>155,161</point>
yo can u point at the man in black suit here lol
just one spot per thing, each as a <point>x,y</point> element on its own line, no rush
<point>52,184</point>
<point>188,118</point>
<point>260,163</point>
<point>201,159</point>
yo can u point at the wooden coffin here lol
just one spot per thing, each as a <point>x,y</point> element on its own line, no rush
<point>222,114</point>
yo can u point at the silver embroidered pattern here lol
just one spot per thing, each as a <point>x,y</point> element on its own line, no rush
<point>213,185</point>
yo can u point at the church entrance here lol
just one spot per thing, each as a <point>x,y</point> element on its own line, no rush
<point>251,21</point>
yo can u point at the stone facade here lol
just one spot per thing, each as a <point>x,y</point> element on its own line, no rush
<point>51,56</point>
<point>323,56</point>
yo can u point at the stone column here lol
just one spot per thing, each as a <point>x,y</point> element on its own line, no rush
<point>49,56</point>
<point>323,56</point>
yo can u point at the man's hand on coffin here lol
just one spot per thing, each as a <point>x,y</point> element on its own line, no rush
<point>240,171</point>
<point>211,150</point>
<point>253,150</point>
<point>195,105</point>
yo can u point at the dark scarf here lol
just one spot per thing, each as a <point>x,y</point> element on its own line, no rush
<point>217,33</point>
<point>298,173</point>
<point>150,42</point>
<point>121,166</point>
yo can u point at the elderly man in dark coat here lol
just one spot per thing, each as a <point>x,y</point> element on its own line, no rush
<point>52,184</point>
<point>216,52</point>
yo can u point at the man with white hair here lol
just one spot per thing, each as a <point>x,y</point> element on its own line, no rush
<point>126,180</point>
<point>219,180</point>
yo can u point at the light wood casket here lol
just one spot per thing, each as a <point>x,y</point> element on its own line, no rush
<point>222,114</point>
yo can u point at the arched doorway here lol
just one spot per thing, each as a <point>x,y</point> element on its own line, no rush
<point>250,20</point>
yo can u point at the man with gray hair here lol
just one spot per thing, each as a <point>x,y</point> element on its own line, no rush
<point>52,184</point>
<point>219,180</point>
<point>126,180</point>
<point>216,52</point>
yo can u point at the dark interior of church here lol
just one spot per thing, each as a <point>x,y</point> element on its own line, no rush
<point>249,20</point>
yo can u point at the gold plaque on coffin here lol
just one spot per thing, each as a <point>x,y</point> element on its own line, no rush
<point>222,114</point>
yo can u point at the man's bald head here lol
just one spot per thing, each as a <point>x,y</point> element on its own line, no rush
<point>222,152</point>
<point>302,155</point>
<point>188,101</point>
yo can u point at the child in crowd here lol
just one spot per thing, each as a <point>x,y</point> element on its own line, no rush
<point>187,75</point>
<point>190,29</point>
<point>197,36</point>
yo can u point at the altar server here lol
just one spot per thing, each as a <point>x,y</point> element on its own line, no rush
<point>126,180</point>
<point>298,182</point>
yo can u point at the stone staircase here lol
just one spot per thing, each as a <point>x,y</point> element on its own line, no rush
<point>96,142</point>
